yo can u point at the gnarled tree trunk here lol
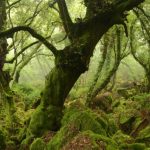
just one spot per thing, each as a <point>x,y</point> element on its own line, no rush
<point>74,59</point>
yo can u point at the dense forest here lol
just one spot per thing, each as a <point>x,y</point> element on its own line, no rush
<point>74,75</point>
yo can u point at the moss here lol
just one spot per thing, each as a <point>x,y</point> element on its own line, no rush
<point>120,138</point>
<point>38,144</point>
<point>63,136</point>
<point>75,121</point>
<point>86,119</point>
<point>90,141</point>
<point>113,127</point>
<point>143,100</point>
<point>77,109</point>
<point>2,141</point>
<point>25,144</point>
<point>44,119</point>
<point>144,136</point>
<point>134,146</point>
<point>11,145</point>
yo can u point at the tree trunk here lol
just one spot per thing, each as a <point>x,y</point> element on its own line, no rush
<point>6,98</point>
<point>112,71</point>
<point>57,86</point>
<point>70,63</point>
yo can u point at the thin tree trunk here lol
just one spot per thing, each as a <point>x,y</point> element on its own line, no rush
<point>99,69</point>
<point>111,72</point>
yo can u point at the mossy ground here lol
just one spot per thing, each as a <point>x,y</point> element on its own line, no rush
<point>84,129</point>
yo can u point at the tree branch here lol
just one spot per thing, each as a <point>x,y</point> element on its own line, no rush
<point>12,4</point>
<point>126,5</point>
<point>65,17</point>
<point>18,54</point>
<point>10,33</point>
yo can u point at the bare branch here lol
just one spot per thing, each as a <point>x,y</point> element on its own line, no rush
<point>10,33</point>
<point>18,54</point>
<point>126,5</point>
<point>36,12</point>
<point>12,4</point>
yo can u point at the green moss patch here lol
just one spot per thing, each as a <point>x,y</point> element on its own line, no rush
<point>77,120</point>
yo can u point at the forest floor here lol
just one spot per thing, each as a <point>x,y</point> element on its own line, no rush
<point>124,125</point>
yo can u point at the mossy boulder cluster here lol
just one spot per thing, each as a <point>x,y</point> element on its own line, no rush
<point>86,129</point>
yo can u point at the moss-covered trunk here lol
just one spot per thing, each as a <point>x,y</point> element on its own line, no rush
<point>6,99</point>
<point>70,63</point>
<point>58,84</point>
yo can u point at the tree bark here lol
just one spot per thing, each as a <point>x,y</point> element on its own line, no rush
<point>3,42</point>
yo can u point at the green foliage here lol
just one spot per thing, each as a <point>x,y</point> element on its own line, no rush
<point>134,146</point>
<point>143,100</point>
<point>38,144</point>
<point>144,136</point>
<point>78,92</point>
<point>88,140</point>
<point>120,138</point>
<point>28,94</point>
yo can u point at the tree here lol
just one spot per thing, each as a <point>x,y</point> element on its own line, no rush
<point>115,50</point>
<point>3,48</point>
<point>141,50</point>
<point>73,60</point>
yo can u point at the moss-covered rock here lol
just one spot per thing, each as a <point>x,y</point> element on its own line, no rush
<point>38,144</point>
<point>44,119</point>
<point>77,109</point>
<point>74,121</point>
<point>90,141</point>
